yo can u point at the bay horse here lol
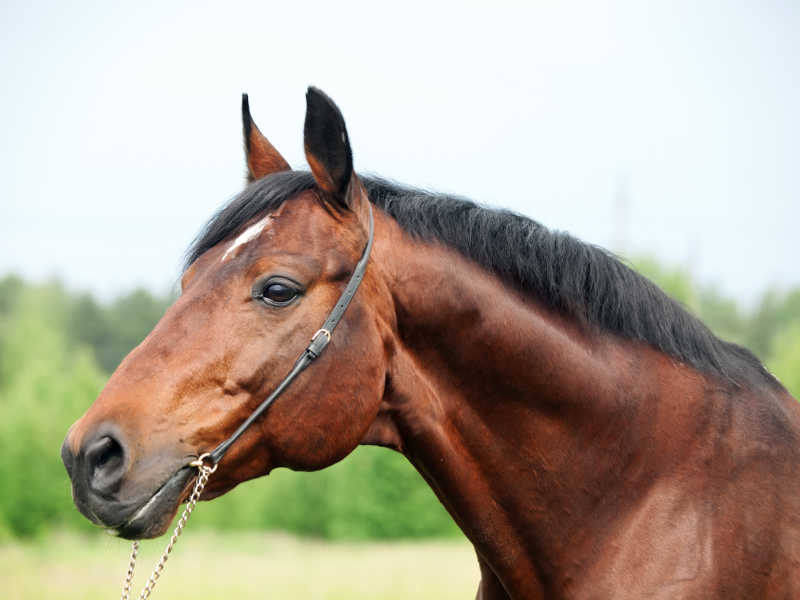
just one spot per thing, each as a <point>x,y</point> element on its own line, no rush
<point>590,437</point>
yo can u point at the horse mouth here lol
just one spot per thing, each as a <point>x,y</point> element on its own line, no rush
<point>153,517</point>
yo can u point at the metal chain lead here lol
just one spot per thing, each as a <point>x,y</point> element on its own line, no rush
<point>202,480</point>
<point>126,589</point>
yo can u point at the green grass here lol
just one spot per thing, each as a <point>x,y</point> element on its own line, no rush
<point>212,565</point>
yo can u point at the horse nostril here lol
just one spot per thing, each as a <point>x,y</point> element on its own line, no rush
<point>105,461</point>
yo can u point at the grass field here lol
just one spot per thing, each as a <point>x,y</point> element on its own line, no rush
<point>239,565</point>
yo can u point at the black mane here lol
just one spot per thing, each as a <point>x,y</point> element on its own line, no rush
<point>566,274</point>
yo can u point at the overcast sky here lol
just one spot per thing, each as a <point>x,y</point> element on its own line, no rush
<point>668,128</point>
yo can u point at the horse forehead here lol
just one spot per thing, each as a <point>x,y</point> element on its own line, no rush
<point>248,235</point>
<point>296,224</point>
<point>297,227</point>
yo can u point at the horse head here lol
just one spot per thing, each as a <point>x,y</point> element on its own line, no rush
<point>252,296</point>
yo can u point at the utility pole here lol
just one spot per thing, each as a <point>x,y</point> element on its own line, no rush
<point>621,213</point>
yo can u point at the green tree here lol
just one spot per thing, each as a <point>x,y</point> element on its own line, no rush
<point>50,340</point>
<point>115,330</point>
<point>674,281</point>
<point>44,387</point>
<point>720,314</point>
<point>774,314</point>
<point>373,493</point>
<point>785,357</point>
<point>11,287</point>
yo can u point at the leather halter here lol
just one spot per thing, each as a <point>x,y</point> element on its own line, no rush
<point>314,350</point>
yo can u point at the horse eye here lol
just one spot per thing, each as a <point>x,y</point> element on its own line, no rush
<point>278,293</point>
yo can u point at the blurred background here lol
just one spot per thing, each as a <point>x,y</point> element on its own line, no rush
<point>667,133</point>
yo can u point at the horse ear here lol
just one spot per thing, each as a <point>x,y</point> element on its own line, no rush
<point>262,158</point>
<point>328,151</point>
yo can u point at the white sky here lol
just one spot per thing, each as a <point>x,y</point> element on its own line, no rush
<point>121,129</point>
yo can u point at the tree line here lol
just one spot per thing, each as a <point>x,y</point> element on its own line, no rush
<point>58,347</point>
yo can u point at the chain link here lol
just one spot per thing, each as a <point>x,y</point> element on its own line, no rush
<point>126,590</point>
<point>202,480</point>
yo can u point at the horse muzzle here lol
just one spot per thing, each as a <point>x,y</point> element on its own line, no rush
<point>100,491</point>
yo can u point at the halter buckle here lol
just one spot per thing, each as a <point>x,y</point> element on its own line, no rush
<point>200,462</point>
<point>319,332</point>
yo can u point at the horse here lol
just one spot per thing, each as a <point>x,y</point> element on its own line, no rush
<point>589,436</point>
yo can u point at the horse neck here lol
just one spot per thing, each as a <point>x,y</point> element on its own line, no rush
<point>513,414</point>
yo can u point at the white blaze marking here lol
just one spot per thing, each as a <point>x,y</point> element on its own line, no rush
<point>247,235</point>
